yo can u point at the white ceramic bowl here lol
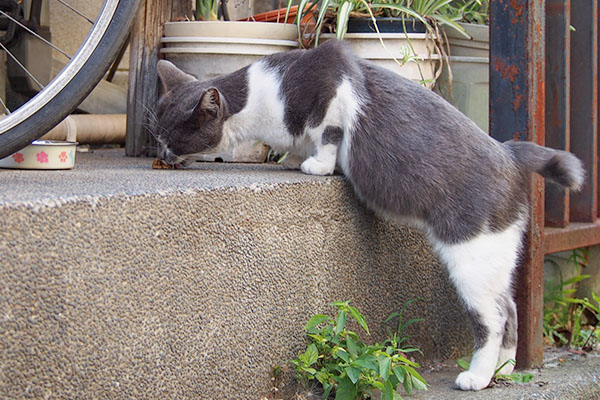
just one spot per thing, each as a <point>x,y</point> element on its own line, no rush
<point>42,154</point>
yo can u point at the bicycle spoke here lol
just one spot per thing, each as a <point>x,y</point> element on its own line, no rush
<point>35,34</point>
<point>21,65</point>
<point>4,106</point>
<point>76,11</point>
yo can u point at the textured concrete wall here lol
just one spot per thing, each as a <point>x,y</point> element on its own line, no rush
<point>198,293</point>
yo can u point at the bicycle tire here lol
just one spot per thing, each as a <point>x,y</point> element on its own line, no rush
<point>72,85</point>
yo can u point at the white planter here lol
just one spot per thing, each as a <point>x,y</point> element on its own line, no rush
<point>469,60</point>
<point>208,49</point>
<point>368,46</point>
<point>477,46</point>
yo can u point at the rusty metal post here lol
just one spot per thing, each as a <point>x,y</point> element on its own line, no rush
<point>517,105</point>
<point>558,53</point>
<point>584,105</point>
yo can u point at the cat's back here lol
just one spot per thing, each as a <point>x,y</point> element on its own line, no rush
<point>412,153</point>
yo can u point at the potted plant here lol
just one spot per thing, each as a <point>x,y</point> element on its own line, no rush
<point>414,53</point>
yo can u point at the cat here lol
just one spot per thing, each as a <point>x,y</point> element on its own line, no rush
<point>409,155</point>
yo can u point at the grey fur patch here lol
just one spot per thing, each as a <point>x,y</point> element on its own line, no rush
<point>510,336</point>
<point>480,330</point>
<point>332,135</point>
<point>306,104</point>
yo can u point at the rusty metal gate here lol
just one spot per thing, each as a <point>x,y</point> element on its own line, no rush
<point>544,88</point>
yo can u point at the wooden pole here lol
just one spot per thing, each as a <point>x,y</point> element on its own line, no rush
<point>143,81</point>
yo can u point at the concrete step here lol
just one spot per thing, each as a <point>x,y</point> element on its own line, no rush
<point>120,281</point>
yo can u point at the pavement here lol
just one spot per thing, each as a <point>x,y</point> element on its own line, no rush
<point>564,376</point>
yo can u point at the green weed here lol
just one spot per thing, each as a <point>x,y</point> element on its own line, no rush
<point>351,369</point>
<point>570,321</point>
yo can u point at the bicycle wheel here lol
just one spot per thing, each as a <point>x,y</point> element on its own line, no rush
<point>70,87</point>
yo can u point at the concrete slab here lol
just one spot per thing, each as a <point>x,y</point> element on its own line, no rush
<point>109,173</point>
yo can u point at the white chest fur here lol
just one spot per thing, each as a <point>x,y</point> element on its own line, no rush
<point>263,116</point>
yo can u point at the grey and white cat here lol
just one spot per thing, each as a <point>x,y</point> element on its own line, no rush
<point>409,155</point>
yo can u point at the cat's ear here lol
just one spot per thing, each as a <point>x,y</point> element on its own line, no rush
<point>171,76</point>
<point>210,102</point>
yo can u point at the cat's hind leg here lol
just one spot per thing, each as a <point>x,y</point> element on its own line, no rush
<point>508,349</point>
<point>482,269</point>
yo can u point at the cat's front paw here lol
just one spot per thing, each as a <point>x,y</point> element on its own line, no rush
<point>468,380</point>
<point>312,166</point>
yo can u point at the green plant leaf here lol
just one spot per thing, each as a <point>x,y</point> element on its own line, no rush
<point>417,383</point>
<point>400,374</point>
<point>388,391</point>
<point>322,11</point>
<point>326,392</point>
<point>463,363</point>
<point>340,322</point>
<point>323,377</point>
<point>366,361</point>
<point>312,354</point>
<point>516,377</point>
<point>359,318</point>
<point>314,321</point>
<point>343,15</point>
<point>353,373</point>
<point>384,362</point>
<point>346,390</point>
<point>340,353</point>
<point>352,347</point>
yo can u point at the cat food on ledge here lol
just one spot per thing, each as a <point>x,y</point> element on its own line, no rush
<point>160,164</point>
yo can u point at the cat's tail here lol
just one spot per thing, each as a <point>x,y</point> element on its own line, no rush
<point>559,166</point>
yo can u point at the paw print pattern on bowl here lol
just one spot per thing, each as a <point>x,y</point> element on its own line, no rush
<point>18,157</point>
<point>63,157</point>
<point>42,157</point>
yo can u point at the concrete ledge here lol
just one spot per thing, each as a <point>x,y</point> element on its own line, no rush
<point>119,281</point>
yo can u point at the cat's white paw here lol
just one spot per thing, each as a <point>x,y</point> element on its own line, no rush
<point>312,166</point>
<point>468,380</point>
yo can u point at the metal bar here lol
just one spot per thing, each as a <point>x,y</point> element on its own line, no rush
<point>517,105</point>
<point>11,55</point>
<point>76,11</point>
<point>574,236</point>
<point>35,34</point>
<point>558,51</point>
<point>584,106</point>
<point>4,106</point>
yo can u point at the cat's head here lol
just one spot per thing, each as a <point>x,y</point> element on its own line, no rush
<point>188,118</point>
